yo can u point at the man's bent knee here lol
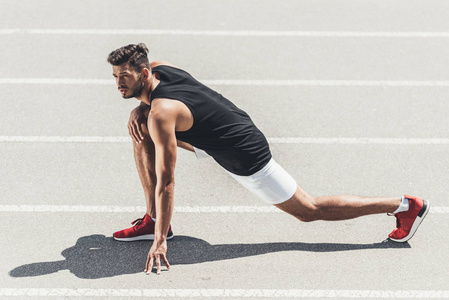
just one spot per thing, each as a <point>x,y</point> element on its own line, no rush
<point>307,214</point>
<point>301,206</point>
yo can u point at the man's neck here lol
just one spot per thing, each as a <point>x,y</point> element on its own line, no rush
<point>147,90</point>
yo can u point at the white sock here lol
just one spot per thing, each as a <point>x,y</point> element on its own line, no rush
<point>154,219</point>
<point>402,207</point>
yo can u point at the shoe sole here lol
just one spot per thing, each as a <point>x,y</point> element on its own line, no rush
<point>421,215</point>
<point>145,237</point>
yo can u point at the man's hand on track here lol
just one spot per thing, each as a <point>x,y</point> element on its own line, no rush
<point>157,251</point>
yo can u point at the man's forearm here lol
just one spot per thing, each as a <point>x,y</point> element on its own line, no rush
<point>164,209</point>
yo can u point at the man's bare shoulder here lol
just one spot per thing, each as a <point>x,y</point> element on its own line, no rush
<point>169,110</point>
<point>156,63</point>
<point>165,106</point>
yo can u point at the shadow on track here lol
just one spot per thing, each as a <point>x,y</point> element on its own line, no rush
<point>97,256</point>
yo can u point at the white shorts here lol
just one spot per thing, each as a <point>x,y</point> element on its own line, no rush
<point>273,184</point>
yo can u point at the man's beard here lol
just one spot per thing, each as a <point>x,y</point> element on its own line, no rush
<point>136,90</point>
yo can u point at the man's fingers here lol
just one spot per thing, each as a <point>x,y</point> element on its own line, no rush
<point>166,262</point>
<point>149,266</point>
<point>155,256</point>
<point>136,136</point>
<point>158,264</point>
<point>131,133</point>
<point>139,130</point>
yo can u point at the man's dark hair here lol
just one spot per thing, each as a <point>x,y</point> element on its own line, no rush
<point>135,54</point>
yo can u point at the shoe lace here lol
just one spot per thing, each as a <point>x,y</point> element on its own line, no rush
<point>138,223</point>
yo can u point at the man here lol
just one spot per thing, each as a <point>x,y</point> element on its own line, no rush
<point>177,110</point>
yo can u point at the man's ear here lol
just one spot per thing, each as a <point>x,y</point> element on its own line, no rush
<point>145,73</point>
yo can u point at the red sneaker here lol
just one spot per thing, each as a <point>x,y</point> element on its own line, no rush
<point>143,229</point>
<point>407,222</point>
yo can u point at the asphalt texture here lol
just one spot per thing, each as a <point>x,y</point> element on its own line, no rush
<point>225,250</point>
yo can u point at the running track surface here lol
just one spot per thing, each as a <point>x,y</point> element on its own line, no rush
<point>356,103</point>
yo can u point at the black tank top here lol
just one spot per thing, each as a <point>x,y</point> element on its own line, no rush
<point>220,128</point>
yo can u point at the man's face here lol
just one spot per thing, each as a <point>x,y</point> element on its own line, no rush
<point>129,82</point>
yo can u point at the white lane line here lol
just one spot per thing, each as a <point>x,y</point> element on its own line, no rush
<point>352,141</point>
<point>232,33</point>
<point>284,140</point>
<point>65,139</point>
<point>355,83</point>
<point>139,209</point>
<point>244,82</point>
<point>224,293</point>
<point>57,81</point>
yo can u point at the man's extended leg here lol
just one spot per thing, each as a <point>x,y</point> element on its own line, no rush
<point>331,208</point>
<point>307,208</point>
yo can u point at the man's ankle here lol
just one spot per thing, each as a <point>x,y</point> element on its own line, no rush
<point>404,206</point>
